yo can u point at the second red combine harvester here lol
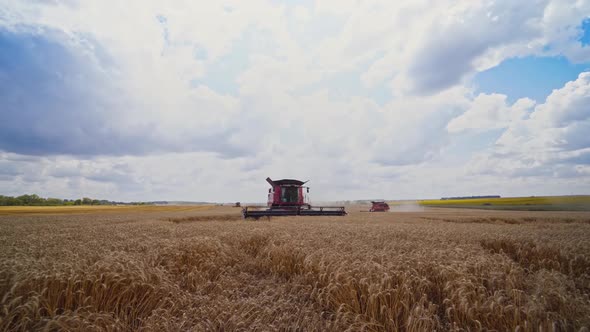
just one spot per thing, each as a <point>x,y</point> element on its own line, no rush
<point>379,206</point>
<point>287,197</point>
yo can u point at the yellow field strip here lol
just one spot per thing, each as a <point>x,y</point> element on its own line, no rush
<point>535,200</point>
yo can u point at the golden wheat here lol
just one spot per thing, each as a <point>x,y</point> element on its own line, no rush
<point>211,271</point>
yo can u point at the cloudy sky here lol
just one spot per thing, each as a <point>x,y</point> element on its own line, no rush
<point>202,100</point>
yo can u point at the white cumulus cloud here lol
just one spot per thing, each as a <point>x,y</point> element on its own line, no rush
<point>366,98</point>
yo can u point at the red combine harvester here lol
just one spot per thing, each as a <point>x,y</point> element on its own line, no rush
<point>287,198</point>
<point>379,206</point>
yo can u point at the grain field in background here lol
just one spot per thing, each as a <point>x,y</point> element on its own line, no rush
<point>441,269</point>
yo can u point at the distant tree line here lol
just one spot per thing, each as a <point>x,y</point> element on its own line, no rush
<point>35,200</point>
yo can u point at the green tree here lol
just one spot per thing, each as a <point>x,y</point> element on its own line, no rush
<point>30,199</point>
<point>54,201</point>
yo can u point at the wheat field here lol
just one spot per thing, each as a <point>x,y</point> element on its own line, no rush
<point>209,270</point>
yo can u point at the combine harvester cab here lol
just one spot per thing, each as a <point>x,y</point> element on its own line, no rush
<point>288,197</point>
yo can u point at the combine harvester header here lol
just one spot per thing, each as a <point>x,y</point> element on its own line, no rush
<point>288,197</point>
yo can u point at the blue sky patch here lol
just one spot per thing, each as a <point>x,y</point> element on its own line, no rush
<point>162,19</point>
<point>532,77</point>
<point>200,52</point>
<point>585,38</point>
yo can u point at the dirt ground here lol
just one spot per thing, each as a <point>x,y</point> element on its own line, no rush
<point>207,269</point>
